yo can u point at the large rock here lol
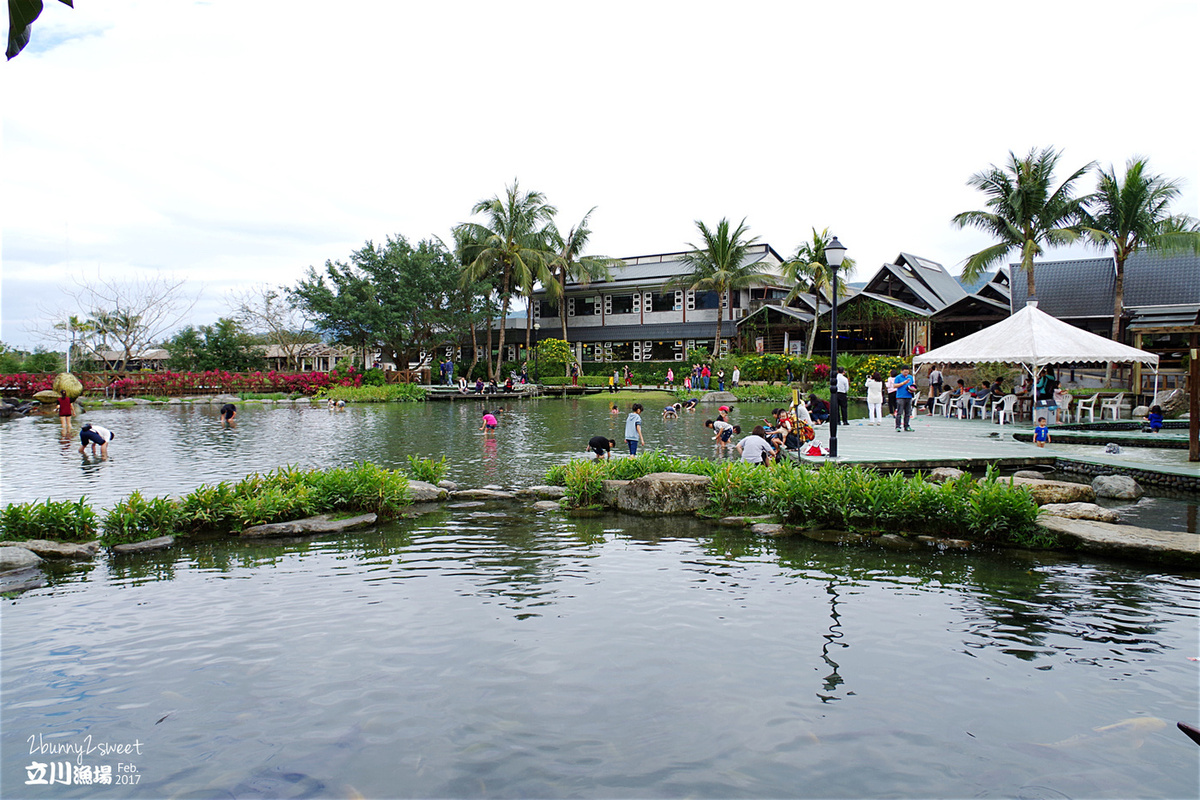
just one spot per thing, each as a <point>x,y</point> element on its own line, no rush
<point>542,492</point>
<point>1174,402</point>
<point>67,550</point>
<point>661,493</point>
<point>767,528</point>
<point>483,494</point>
<point>608,492</point>
<point>1143,544</point>
<point>425,492</point>
<point>312,525</point>
<point>1140,411</point>
<point>1056,491</point>
<point>17,558</point>
<point>718,397</point>
<point>66,382</point>
<point>1117,487</point>
<point>46,396</point>
<point>1081,511</point>
<point>158,543</point>
<point>944,474</point>
<point>1030,473</point>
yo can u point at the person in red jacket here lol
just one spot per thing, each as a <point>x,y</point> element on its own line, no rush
<point>65,412</point>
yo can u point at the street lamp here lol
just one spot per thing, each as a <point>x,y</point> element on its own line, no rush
<point>537,376</point>
<point>835,251</point>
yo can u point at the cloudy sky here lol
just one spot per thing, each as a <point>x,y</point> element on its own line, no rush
<point>234,143</point>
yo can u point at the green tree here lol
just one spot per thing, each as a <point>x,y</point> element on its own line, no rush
<point>722,264</point>
<point>1025,213</point>
<point>402,299</point>
<point>809,270</point>
<point>510,249</point>
<point>1132,211</point>
<point>569,264</point>
<point>223,346</point>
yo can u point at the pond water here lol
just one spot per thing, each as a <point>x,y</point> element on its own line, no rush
<point>489,651</point>
<point>486,652</point>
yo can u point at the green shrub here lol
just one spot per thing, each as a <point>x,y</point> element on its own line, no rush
<point>208,508</point>
<point>426,469</point>
<point>383,393</point>
<point>1003,512</point>
<point>136,519</point>
<point>273,503</point>
<point>583,478</point>
<point>63,520</point>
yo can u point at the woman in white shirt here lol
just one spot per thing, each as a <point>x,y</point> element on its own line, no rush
<point>875,399</point>
<point>755,449</point>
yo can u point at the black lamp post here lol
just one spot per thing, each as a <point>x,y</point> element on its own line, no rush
<point>835,251</point>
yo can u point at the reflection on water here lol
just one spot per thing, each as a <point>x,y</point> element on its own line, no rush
<point>490,651</point>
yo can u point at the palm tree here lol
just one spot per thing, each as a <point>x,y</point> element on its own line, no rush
<point>1132,212</point>
<point>721,265</point>
<point>510,247</point>
<point>810,271</point>
<point>569,265</point>
<point>1024,213</point>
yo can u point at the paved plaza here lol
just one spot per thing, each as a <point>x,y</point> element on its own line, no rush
<point>941,441</point>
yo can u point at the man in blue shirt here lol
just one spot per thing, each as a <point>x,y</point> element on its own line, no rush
<point>903,383</point>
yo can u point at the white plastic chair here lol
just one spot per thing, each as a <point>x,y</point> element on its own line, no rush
<point>977,404</point>
<point>1005,408</point>
<point>961,405</point>
<point>1089,406</point>
<point>1113,405</point>
<point>942,401</point>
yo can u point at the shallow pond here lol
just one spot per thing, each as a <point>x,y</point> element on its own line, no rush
<point>489,651</point>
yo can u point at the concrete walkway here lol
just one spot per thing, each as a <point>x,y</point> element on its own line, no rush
<point>972,444</point>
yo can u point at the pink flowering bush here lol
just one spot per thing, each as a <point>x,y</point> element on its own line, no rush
<point>821,371</point>
<point>174,384</point>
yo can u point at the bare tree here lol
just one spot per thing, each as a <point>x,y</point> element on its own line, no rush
<point>273,312</point>
<point>127,315</point>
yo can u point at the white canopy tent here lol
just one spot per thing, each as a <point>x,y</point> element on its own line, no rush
<point>1035,339</point>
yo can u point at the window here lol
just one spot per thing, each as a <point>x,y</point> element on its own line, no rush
<point>706,300</point>
<point>545,308</point>
<point>590,307</point>
<point>619,304</point>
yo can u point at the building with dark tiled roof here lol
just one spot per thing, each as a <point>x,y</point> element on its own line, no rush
<point>1161,300</point>
<point>633,317</point>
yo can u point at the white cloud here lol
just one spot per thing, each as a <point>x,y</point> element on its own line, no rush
<point>235,142</point>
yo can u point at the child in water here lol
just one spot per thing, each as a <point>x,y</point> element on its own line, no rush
<point>1154,420</point>
<point>489,422</point>
<point>1041,434</point>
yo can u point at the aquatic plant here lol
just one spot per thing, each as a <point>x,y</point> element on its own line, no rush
<point>137,519</point>
<point>584,479</point>
<point>57,520</point>
<point>426,469</point>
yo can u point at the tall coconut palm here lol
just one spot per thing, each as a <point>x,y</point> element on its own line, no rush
<point>510,247</point>
<point>569,264</point>
<point>720,264</point>
<point>1132,211</point>
<point>810,271</point>
<point>1024,212</point>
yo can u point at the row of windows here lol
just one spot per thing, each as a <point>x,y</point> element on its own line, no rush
<point>610,304</point>
<point>667,350</point>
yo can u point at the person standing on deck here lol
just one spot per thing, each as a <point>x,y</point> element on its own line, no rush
<point>904,383</point>
<point>840,407</point>
<point>875,399</point>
